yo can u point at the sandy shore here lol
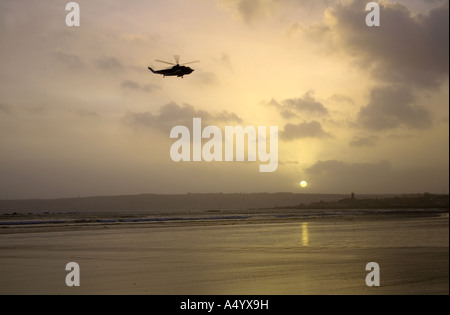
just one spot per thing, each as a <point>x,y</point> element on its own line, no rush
<point>289,256</point>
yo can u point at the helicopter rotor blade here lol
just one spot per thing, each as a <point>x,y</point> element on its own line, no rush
<point>169,63</point>
<point>177,59</point>
<point>188,63</point>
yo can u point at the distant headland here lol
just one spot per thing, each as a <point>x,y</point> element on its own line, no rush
<point>425,201</point>
<point>154,203</point>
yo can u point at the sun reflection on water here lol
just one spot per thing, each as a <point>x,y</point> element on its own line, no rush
<point>305,234</point>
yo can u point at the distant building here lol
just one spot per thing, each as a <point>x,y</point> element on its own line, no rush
<point>352,196</point>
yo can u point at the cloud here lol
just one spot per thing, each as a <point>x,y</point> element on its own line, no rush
<point>85,113</point>
<point>206,78</point>
<point>225,60</point>
<point>315,32</point>
<point>109,63</point>
<point>342,177</point>
<point>304,130</point>
<point>288,114</point>
<point>360,142</point>
<point>36,110</point>
<point>400,136</point>
<point>334,168</point>
<point>172,115</point>
<point>69,59</point>
<point>390,108</point>
<point>339,176</point>
<point>408,52</point>
<point>136,37</point>
<point>306,104</point>
<point>381,177</point>
<point>407,49</point>
<point>27,110</point>
<point>132,85</point>
<point>299,107</point>
<point>7,109</point>
<point>338,98</point>
<point>288,162</point>
<point>128,84</point>
<point>251,11</point>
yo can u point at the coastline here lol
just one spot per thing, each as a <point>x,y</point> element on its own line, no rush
<point>36,222</point>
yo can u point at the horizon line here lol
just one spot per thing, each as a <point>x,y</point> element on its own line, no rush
<point>222,193</point>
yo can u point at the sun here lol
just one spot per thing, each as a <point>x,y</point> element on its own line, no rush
<point>303,184</point>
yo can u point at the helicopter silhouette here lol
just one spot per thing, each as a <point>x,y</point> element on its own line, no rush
<point>178,70</point>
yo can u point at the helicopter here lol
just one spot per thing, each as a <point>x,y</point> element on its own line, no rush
<point>178,70</point>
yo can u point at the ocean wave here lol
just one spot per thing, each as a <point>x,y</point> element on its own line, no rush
<point>118,218</point>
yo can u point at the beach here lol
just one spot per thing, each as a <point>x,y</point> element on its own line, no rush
<point>239,255</point>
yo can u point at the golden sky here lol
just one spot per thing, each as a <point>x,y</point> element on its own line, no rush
<point>358,109</point>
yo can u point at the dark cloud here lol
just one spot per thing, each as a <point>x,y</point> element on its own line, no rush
<point>109,63</point>
<point>407,49</point>
<point>288,114</point>
<point>303,130</point>
<point>408,52</point>
<point>400,136</point>
<point>390,108</point>
<point>360,142</point>
<point>338,98</point>
<point>298,107</point>
<point>132,85</point>
<point>172,115</point>
<point>307,104</point>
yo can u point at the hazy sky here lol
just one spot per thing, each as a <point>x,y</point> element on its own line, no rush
<point>358,109</point>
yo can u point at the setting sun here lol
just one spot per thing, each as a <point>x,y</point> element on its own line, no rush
<point>303,184</point>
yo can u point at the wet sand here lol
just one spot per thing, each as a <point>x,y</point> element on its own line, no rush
<point>284,257</point>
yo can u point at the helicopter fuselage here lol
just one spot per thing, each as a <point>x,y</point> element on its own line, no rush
<point>175,71</point>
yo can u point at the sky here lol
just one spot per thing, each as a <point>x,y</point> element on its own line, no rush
<point>359,109</point>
